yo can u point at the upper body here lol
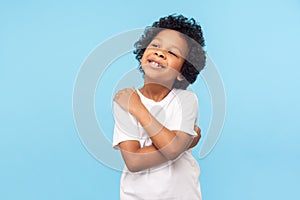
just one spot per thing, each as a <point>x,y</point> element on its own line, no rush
<point>174,178</point>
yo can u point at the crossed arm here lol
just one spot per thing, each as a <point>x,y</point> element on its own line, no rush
<point>167,144</point>
<point>137,158</point>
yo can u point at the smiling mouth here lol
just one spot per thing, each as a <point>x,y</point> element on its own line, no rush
<point>155,65</point>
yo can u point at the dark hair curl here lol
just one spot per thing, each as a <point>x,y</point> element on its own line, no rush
<point>192,32</point>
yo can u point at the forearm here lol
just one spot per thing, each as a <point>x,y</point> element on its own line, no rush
<point>143,158</point>
<point>170,143</point>
<point>138,159</point>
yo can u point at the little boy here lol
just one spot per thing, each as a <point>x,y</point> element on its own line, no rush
<point>154,125</point>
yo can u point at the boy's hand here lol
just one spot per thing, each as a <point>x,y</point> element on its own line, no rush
<point>197,138</point>
<point>128,99</point>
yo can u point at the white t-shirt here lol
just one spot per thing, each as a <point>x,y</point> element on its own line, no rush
<point>177,179</point>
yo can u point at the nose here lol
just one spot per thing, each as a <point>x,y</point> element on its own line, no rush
<point>160,54</point>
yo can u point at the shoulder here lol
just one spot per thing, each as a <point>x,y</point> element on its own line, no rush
<point>185,95</point>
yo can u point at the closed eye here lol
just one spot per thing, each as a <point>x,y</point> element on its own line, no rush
<point>172,53</point>
<point>154,45</point>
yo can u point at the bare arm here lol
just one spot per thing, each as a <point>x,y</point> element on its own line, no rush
<point>170,143</point>
<point>137,158</point>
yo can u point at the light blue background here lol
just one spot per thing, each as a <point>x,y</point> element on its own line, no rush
<point>255,45</point>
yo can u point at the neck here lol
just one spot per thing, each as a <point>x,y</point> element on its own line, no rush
<point>156,92</point>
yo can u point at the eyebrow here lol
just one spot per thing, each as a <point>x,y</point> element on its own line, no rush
<point>172,46</point>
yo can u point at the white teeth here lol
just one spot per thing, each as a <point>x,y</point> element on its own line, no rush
<point>155,65</point>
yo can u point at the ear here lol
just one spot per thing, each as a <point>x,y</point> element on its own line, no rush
<point>180,77</point>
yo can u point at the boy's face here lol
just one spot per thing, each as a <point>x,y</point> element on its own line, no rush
<point>164,56</point>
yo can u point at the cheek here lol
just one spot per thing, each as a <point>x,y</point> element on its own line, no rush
<point>143,59</point>
<point>177,65</point>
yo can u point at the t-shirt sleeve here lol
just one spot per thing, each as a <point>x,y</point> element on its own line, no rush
<point>125,128</point>
<point>189,105</point>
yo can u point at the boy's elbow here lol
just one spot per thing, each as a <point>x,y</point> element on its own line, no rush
<point>133,170</point>
<point>133,166</point>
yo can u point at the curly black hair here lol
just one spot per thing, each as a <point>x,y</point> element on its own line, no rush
<point>192,32</point>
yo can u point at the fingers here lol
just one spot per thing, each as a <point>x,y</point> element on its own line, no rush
<point>116,97</point>
<point>198,130</point>
<point>124,91</point>
<point>132,88</point>
<point>118,94</point>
